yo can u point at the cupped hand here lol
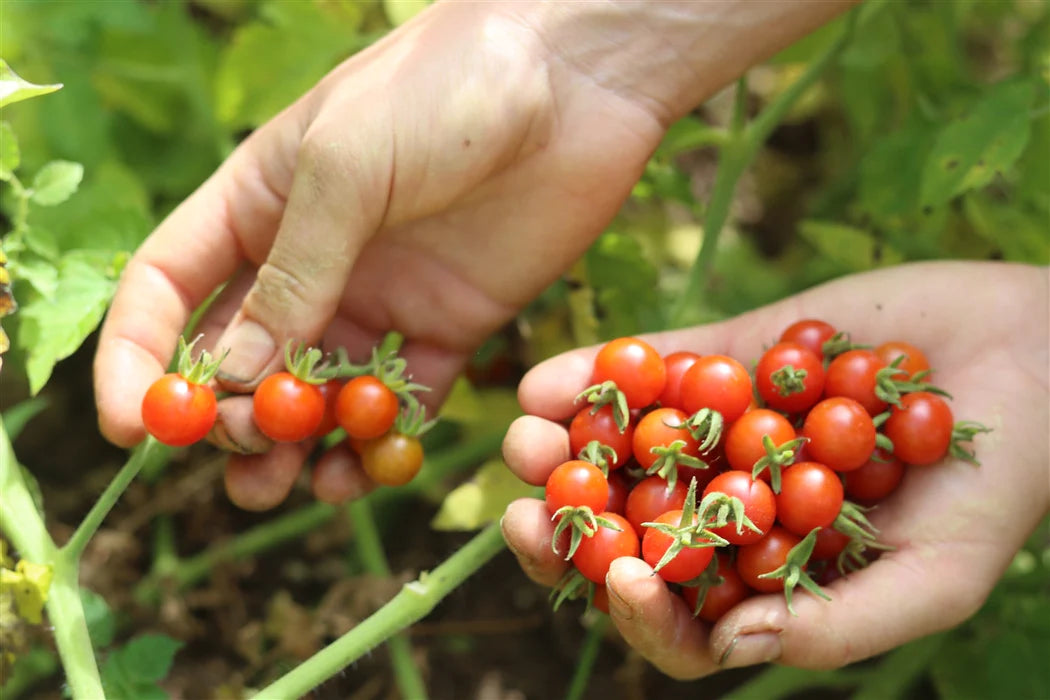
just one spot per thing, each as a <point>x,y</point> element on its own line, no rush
<point>954,526</point>
<point>433,184</point>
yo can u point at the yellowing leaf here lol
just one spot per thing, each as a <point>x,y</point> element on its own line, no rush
<point>29,584</point>
<point>481,500</point>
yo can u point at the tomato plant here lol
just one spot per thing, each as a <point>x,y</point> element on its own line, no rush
<point>178,412</point>
<point>393,459</point>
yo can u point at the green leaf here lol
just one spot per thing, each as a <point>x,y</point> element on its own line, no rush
<point>52,329</point>
<point>38,272</point>
<point>9,155</point>
<point>56,182</point>
<point>16,417</point>
<point>973,149</point>
<point>14,88</point>
<point>852,248</point>
<point>1020,234</point>
<point>480,500</point>
<point>148,657</point>
<point>891,173</point>
<point>101,623</point>
<point>624,281</point>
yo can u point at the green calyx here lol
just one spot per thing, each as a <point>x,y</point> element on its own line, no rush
<point>793,570</point>
<point>789,380</point>
<point>718,509</point>
<point>201,370</point>
<point>889,387</point>
<point>966,431</point>
<point>583,523</point>
<point>570,586</point>
<point>600,455</point>
<point>689,532</point>
<point>776,458</point>
<point>608,393</point>
<point>704,583</point>
<point>668,457</point>
<point>706,427</point>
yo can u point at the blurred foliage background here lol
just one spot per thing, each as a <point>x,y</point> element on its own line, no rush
<point>928,137</point>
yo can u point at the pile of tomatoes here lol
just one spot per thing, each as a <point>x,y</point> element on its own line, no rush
<point>730,483</point>
<point>374,404</point>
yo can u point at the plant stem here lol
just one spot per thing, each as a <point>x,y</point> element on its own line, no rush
<point>75,546</point>
<point>370,547</point>
<point>413,602</point>
<point>20,521</point>
<point>588,655</point>
<point>66,612</point>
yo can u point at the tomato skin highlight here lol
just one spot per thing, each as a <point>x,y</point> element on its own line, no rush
<point>595,554</point>
<point>677,363</point>
<point>799,357</point>
<point>811,333</point>
<point>920,429</point>
<point>689,563</point>
<point>811,496</point>
<point>743,440</point>
<point>719,383</point>
<point>366,407</point>
<point>577,483</point>
<point>760,505</point>
<point>723,597</point>
<point>393,459</point>
<point>875,479</point>
<point>601,426</point>
<point>178,412</point>
<point>287,409</point>
<point>634,366</point>
<point>841,434</point>
<point>853,374</point>
<point>764,556</point>
<point>914,359</point>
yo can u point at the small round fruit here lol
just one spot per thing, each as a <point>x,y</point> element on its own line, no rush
<point>920,428</point>
<point>366,407</point>
<point>286,408</point>
<point>634,366</point>
<point>764,556</point>
<point>687,564</point>
<point>719,383</point>
<point>575,484</point>
<point>760,505</point>
<point>810,496</point>
<point>789,377</point>
<point>841,434</point>
<point>178,412</point>
<point>393,459</point>
<point>595,554</point>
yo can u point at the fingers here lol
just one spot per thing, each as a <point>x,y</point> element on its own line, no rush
<point>656,622</point>
<point>527,529</point>
<point>263,481</point>
<point>533,447</point>
<point>338,477</point>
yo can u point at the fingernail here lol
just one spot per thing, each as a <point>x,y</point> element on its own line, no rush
<point>751,649</point>
<point>617,605</point>
<point>251,349</point>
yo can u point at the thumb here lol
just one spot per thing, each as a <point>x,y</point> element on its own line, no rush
<point>336,202</point>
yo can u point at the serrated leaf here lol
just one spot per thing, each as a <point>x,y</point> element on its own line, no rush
<point>480,500</point>
<point>9,154</point>
<point>972,150</point>
<point>52,329</point>
<point>852,248</point>
<point>14,88</point>
<point>101,623</point>
<point>38,272</point>
<point>56,182</point>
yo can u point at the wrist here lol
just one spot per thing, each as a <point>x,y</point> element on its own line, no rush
<point>669,56</point>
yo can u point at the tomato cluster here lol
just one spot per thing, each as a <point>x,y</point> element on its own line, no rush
<point>729,482</point>
<point>373,403</point>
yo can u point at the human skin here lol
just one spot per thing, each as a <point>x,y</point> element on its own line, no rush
<point>434,184</point>
<point>954,526</point>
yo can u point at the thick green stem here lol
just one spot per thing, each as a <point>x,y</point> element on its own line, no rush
<point>66,613</point>
<point>413,602</point>
<point>75,546</point>
<point>20,521</point>
<point>370,547</point>
<point>592,644</point>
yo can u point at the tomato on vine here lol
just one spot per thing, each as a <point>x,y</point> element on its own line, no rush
<point>393,459</point>
<point>366,407</point>
<point>286,408</point>
<point>178,412</point>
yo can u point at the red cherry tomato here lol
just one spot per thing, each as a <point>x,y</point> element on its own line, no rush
<point>595,554</point>
<point>760,505</point>
<point>744,439</point>
<point>853,374</point>
<point>687,564</point>
<point>661,428</point>
<point>286,408</point>
<point>841,434</point>
<point>914,359</point>
<point>577,483</point>
<point>875,480</point>
<point>920,429</point>
<point>619,488</point>
<point>650,498</point>
<point>810,496</point>
<point>676,363</point>
<point>722,597</point>
<point>635,367</point>
<point>366,407</point>
<point>601,426</point>
<point>392,459</point>
<point>719,383</point>
<point>330,391</point>
<point>786,357</point>
<point>810,332</point>
<point>600,599</point>
<point>764,556</point>
<point>178,412</point>
<point>830,543</point>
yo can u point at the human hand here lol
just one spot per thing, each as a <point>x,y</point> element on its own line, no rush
<point>954,526</point>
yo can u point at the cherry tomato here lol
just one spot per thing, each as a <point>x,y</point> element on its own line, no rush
<point>717,382</point>
<point>600,599</point>
<point>914,359</point>
<point>841,434</point>
<point>743,441</point>
<point>811,333</point>
<point>178,412</point>
<point>853,374</point>
<point>635,367</point>
<point>875,480</point>
<point>392,459</point>
<point>286,408</point>
<point>788,357</point>
<point>764,556</point>
<point>619,488</point>
<point>722,597</point>
<point>595,554</point>
<point>577,483</point>
<point>366,407</point>
<point>676,363</point>
<point>830,543</point>
<point>661,428</point>
<point>920,429</point>
<point>760,505</point>
<point>810,496</point>
<point>650,498</point>
<point>601,426</point>
<point>687,564</point>
<point>330,391</point>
